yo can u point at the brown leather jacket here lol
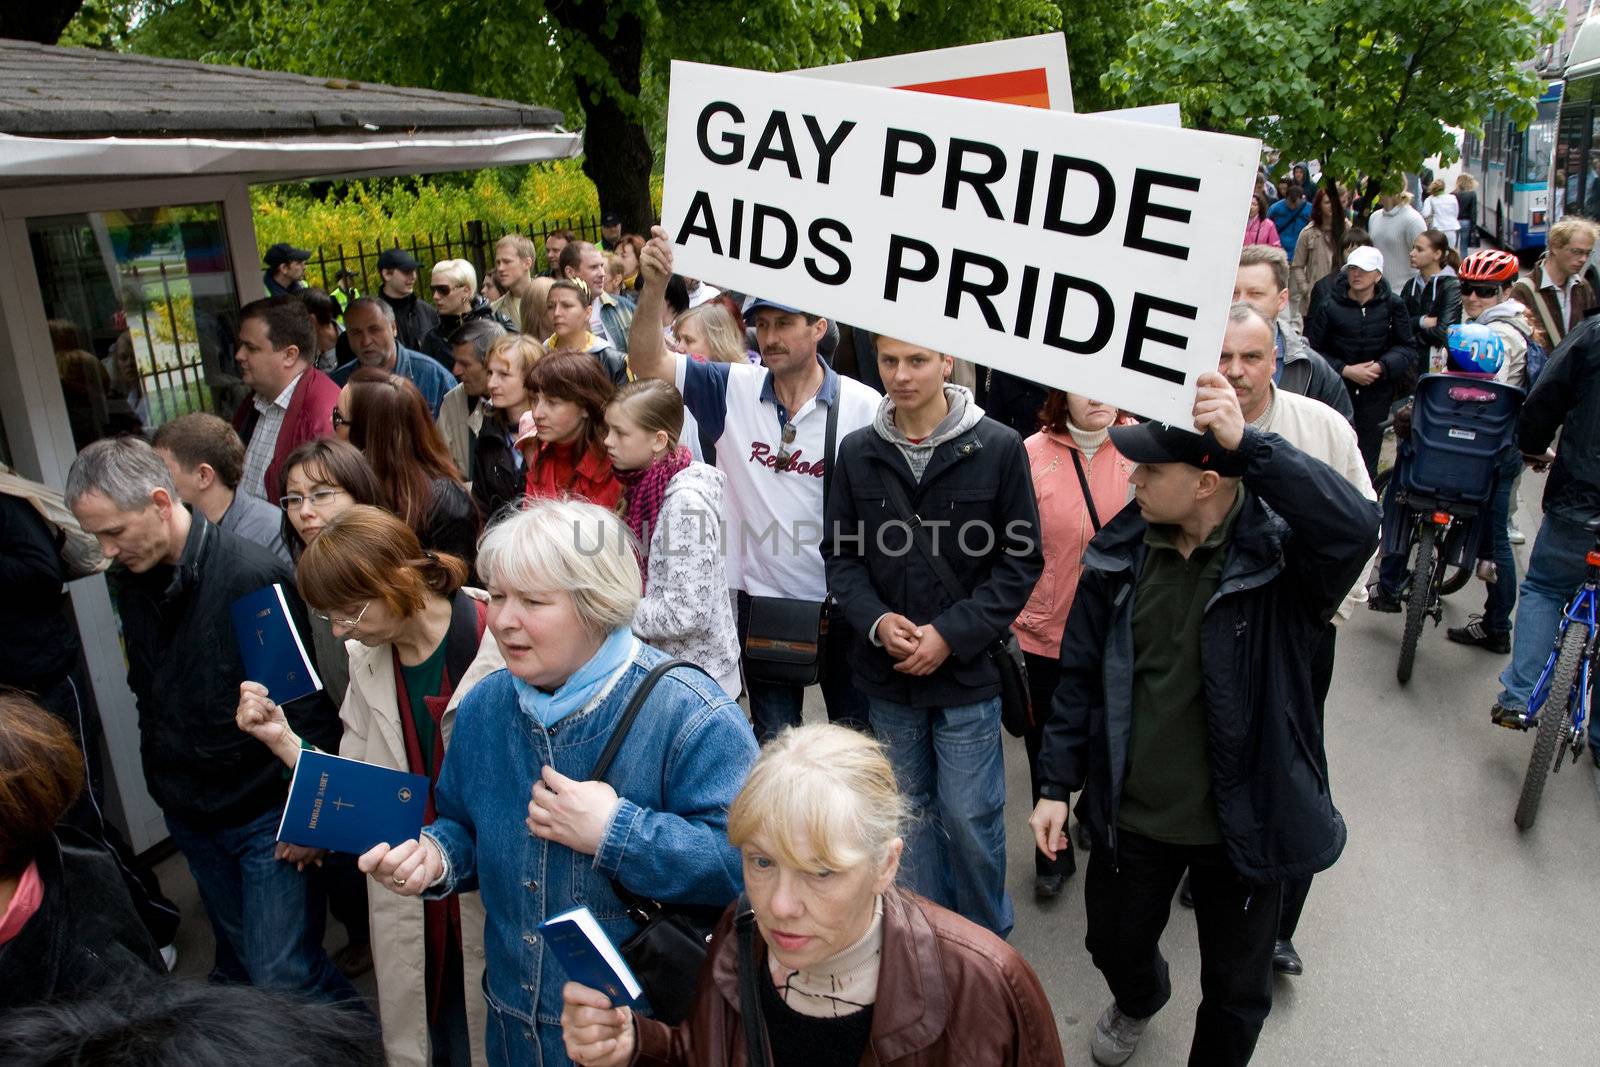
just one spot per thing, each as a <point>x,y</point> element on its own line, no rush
<point>950,994</point>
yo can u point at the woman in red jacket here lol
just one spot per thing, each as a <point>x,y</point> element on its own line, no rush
<point>567,449</point>
<point>1071,452</point>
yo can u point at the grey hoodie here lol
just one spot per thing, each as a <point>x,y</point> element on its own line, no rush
<point>964,415</point>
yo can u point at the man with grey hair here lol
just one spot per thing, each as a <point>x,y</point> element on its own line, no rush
<point>1262,281</point>
<point>461,413</point>
<point>175,577</point>
<point>370,328</point>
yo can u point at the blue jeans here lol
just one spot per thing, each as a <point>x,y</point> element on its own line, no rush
<point>949,766</point>
<point>268,917</point>
<point>1555,570</point>
<point>1502,595</point>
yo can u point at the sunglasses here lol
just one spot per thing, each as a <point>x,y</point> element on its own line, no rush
<point>783,451</point>
<point>443,290</point>
<point>1486,291</point>
<point>338,419</point>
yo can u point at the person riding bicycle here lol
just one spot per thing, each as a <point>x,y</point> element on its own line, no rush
<point>1490,346</point>
<point>1566,397</point>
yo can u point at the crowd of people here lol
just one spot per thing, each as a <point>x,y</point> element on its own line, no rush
<point>502,517</point>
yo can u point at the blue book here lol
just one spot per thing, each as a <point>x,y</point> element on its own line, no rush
<point>344,805</point>
<point>589,957</point>
<point>270,646</point>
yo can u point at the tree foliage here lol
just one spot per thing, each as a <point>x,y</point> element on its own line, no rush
<point>1367,87</point>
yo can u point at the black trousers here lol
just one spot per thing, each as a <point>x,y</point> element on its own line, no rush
<point>1371,404</point>
<point>1128,898</point>
<point>1044,672</point>
<point>1295,892</point>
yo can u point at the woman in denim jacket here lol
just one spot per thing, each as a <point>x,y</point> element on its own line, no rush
<point>518,819</point>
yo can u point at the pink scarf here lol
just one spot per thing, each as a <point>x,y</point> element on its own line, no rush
<point>646,488</point>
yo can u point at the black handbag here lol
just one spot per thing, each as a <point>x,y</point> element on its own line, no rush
<point>666,952</point>
<point>785,639</point>
<point>1016,702</point>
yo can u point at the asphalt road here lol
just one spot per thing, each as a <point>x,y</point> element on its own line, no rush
<point>1442,936</point>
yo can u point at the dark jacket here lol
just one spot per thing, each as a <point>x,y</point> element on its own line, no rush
<point>452,524</point>
<point>1010,400</point>
<point>1346,332</point>
<point>979,476</point>
<point>85,934</point>
<point>1306,373</point>
<point>1302,537</point>
<point>1546,305</point>
<point>1567,397</point>
<point>309,417</point>
<point>497,480</point>
<point>38,642</point>
<point>413,317</point>
<point>436,342</point>
<point>1439,296</point>
<point>949,992</point>
<point>184,670</point>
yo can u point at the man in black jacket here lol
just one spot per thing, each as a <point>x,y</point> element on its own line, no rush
<point>1566,397</point>
<point>934,495</point>
<point>175,577</point>
<point>413,317</point>
<point>1185,711</point>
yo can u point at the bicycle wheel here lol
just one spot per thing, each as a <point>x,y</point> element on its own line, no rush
<point>1455,580</point>
<point>1417,602</point>
<point>1555,719</point>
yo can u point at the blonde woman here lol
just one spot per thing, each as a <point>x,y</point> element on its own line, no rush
<point>497,468</point>
<point>1467,204</point>
<point>845,964</point>
<point>709,332</point>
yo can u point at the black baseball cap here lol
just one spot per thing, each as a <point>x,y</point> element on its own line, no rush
<point>1162,442</point>
<point>611,218</point>
<point>397,259</point>
<point>282,253</point>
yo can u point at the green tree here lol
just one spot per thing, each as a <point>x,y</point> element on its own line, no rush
<point>1366,87</point>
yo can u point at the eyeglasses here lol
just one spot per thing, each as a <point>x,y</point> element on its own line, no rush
<point>346,624</point>
<point>1486,291</point>
<point>1584,252</point>
<point>338,419</point>
<point>320,498</point>
<point>783,450</point>
<point>443,290</point>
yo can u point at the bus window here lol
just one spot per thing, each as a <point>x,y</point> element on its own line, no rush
<point>1540,146</point>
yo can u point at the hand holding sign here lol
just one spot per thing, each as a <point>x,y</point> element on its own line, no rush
<point>1216,408</point>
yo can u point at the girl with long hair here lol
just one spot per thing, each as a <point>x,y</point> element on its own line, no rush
<point>563,435</point>
<point>1433,295</point>
<point>497,464</point>
<point>568,308</point>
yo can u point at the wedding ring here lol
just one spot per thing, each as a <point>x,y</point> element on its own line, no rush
<point>398,880</point>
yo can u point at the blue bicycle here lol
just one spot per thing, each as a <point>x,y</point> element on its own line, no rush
<point>1559,706</point>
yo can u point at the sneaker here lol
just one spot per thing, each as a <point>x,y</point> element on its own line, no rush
<point>1514,534</point>
<point>1510,718</point>
<point>1475,633</point>
<point>169,956</point>
<point>1378,600</point>
<point>1116,1035</point>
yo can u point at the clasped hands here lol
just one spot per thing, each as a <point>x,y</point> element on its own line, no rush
<point>917,650</point>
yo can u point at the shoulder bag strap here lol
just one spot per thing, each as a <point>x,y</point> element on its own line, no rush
<point>1540,308</point>
<point>1083,483</point>
<point>947,576</point>
<point>751,1018</point>
<point>830,439</point>
<point>635,703</point>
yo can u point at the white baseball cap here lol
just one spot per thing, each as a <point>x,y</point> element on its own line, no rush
<point>1366,257</point>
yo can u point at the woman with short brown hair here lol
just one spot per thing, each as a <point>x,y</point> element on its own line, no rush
<point>67,925</point>
<point>564,436</point>
<point>417,643</point>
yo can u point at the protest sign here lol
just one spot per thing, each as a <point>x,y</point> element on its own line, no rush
<point>1088,254</point>
<point>1031,71</point>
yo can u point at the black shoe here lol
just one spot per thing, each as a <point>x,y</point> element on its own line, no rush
<point>1510,718</point>
<point>1387,603</point>
<point>1186,892</point>
<point>1048,886</point>
<point>1285,960</point>
<point>1475,633</point>
<point>354,960</point>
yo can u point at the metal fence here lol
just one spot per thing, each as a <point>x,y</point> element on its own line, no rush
<point>472,241</point>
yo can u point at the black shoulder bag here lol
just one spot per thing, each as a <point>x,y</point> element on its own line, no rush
<point>751,1018</point>
<point>670,945</point>
<point>1016,703</point>
<point>784,637</point>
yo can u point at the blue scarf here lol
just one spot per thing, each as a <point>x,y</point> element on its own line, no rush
<point>579,689</point>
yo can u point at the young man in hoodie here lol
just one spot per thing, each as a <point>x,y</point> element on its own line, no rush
<point>935,494</point>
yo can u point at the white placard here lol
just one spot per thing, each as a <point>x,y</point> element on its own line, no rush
<point>1089,254</point>
<point>1045,54</point>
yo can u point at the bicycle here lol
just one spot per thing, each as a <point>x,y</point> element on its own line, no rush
<point>1563,684</point>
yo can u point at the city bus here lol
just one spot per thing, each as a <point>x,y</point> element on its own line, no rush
<point>1575,185</point>
<point>1513,169</point>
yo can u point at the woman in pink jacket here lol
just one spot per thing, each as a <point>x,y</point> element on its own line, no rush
<point>1081,481</point>
<point>1258,229</point>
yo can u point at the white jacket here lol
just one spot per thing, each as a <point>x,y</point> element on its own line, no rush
<point>686,610</point>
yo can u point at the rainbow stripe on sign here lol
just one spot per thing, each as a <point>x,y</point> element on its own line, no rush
<point>1028,88</point>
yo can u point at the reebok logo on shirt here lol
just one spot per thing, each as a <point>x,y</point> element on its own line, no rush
<point>763,455</point>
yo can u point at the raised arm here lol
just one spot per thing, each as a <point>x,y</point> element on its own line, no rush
<point>647,349</point>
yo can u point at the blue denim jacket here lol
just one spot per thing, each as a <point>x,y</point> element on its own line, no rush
<point>685,759</point>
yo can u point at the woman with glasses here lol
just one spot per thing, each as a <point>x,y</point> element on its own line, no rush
<point>456,298</point>
<point>564,434</point>
<point>385,416</point>
<point>418,644</point>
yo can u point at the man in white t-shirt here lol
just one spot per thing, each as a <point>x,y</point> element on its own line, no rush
<point>769,424</point>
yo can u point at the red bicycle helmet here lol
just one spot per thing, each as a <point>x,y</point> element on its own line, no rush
<point>1490,265</point>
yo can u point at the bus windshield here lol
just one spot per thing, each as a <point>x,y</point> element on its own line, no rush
<point>1534,166</point>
